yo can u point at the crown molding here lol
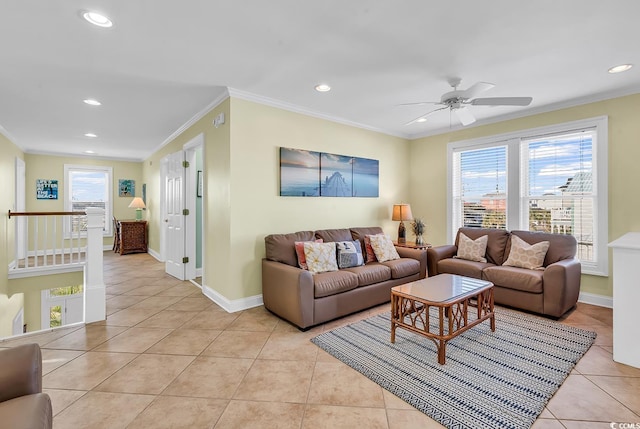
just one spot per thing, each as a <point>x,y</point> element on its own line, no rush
<point>9,137</point>
<point>82,155</point>
<point>243,95</point>
<point>215,103</point>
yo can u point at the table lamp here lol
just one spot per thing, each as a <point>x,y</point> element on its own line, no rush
<point>401,212</point>
<point>137,204</point>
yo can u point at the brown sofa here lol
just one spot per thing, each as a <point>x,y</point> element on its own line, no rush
<point>22,403</point>
<point>551,291</point>
<point>307,299</point>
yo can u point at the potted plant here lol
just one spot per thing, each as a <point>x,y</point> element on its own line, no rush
<point>419,228</point>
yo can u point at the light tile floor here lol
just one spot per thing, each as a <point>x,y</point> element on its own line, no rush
<point>167,357</point>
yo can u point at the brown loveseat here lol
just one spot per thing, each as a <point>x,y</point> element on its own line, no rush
<point>550,291</point>
<point>306,299</point>
<point>22,403</point>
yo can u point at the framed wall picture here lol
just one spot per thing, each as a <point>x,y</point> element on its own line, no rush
<point>199,187</point>
<point>126,188</point>
<point>144,195</point>
<point>46,189</point>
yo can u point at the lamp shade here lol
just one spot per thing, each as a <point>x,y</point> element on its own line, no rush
<point>401,212</point>
<point>137,203</point>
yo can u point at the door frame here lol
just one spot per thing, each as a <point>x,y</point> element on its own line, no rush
<point>191,148</point>
<point>20,206</point>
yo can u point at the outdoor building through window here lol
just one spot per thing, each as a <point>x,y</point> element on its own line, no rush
<point>551,180</point>
<point>88,186</point>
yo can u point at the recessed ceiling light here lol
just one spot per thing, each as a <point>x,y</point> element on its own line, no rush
<point>322,87</point>
<point>621,68</point>
<point>90,135</point>
<point>421,120</point>
<point>89,151</point>
<point>92,102</point>
<point>98,19</point>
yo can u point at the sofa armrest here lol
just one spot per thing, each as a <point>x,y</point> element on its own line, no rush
<point>435,254</point>
<point>20,371</point>
<point>417,254</point>
<point>288,292</point>
<point>561,282</point>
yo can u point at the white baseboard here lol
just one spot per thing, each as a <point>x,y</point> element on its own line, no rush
<point>198,272</point>
<point>155,254</point>
<point>232,306</point>
<point>593,299</point>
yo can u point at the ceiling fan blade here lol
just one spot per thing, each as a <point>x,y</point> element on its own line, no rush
<point>425,115</point>
<point>502,101</point>
<point>418,103</point>
<point>464,116</point>
<point>476,89</point>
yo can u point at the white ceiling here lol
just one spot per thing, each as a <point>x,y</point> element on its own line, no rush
<point>165,62</point>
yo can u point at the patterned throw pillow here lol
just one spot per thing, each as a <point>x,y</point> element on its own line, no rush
<point>525,255</point>
<point>302,261</point>
<point>472,250</point>
<point>383,248</point>
<point>320,257</point>
<point>349,254</point>
<point>371,256</point>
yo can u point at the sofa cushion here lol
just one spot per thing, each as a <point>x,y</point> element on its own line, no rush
<point>560,246</point>
<point>349,254</point>
<point>302,260</point>
<point>320,257</point>
<point>359,234</point>
<point>403,267</point>
<point>371,273</point>
<point>342,234</point>
<point>496,243</point>
<point>472,250</point>
<point>281,247</point>
<point>333,282</point>
<point>383,248</point>
<point>462,267</point>
<point>521,279</point>
<point>525,255</point>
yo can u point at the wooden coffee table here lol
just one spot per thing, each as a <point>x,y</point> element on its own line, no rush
<point>451,295</point>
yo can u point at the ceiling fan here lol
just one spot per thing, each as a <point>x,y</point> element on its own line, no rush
<point>458,100</point>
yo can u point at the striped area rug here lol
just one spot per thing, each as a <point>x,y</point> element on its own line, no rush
<point>500,379</point>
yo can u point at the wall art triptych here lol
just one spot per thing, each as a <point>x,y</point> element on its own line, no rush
<point>305,173</point>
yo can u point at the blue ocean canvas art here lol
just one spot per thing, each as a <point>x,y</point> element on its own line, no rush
<point>336,172</point>
<point>299,173</point>
<point>365,177</point>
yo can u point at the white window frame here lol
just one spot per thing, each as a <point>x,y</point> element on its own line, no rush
<point>108,224</point>
<point>514,201</point>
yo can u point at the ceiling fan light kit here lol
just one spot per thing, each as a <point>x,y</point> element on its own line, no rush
<point>457,101</point>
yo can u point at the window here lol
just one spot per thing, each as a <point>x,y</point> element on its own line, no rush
<point>88,186</point>
<point>551,179</point>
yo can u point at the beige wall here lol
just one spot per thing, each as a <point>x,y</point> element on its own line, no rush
<point>8,154</point>
<point>428,169</point>
<point>241,186</point>
<point>256,209</point>
<point>52,167</point>
<point>9,306</point>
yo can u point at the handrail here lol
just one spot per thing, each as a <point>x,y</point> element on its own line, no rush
<point>45,214</point>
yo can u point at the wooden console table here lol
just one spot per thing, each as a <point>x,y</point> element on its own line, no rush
<point>133,236</point>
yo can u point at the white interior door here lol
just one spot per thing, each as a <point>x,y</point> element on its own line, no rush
<point>73,310</point>
<point>174,218</point>
<point>20,207</point>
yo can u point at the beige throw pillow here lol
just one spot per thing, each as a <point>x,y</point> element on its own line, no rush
<point>383,248</point>
<point>472,250</point>
<point>525,255</point>
<point>320,257</point>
